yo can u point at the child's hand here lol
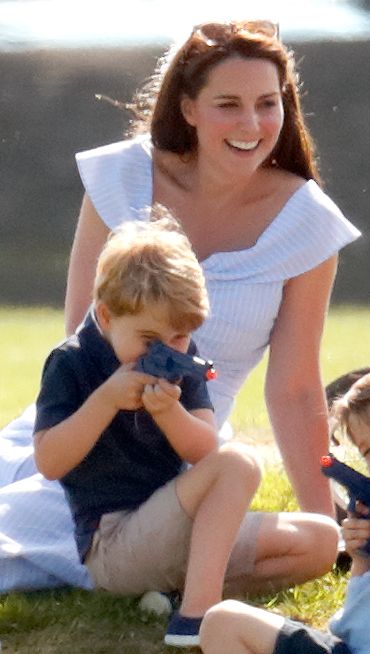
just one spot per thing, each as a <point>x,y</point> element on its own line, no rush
<point>160,397</point>
<point>356,531</point>
<point>125,388</point>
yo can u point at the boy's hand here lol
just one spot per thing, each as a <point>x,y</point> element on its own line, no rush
<point>125,388</point>
<point>356,532</point>
<point>160,396</point>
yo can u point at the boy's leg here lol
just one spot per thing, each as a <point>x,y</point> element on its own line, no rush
<point>148,549</point>
<point>239,628</point>
<point>215,493</point>
<point>243,629</point>
<point>290,548</point>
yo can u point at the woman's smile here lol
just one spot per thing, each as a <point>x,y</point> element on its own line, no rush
<point>242,145</point>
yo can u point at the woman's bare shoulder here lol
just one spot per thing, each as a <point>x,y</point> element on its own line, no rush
<point>173,169</point>
<point>287,180</point>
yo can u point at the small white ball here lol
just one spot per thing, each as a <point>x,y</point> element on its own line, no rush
<point>155,602</point>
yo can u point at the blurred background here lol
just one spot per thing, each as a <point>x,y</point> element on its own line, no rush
<point>55,56</point>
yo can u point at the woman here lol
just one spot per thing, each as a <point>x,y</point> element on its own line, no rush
<point>225,148</point>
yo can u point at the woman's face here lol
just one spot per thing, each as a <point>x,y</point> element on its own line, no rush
<point>238,114</point>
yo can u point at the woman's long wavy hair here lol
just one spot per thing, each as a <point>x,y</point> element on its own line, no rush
<point>157,106</point>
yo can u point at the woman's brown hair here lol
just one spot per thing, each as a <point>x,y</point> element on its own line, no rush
<point>185,73</point>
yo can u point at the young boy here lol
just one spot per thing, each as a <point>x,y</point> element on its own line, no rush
<point>237,628</point>
<point>120,440</point>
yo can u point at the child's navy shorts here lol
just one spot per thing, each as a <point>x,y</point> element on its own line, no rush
<point>297,638</point>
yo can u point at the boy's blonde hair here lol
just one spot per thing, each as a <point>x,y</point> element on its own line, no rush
<point>148,262</point>
<point>355,402</point>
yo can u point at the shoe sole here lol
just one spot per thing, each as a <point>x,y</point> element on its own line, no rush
<point>181,641</point>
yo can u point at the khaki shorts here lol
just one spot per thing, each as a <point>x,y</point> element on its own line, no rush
<point>147,549</point>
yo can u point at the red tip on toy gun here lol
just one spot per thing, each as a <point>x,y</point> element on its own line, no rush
<point>327,461</point>
<point>211,374</point>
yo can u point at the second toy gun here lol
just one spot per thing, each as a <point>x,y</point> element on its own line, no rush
<point>163,361</point>
<point>357,485</point>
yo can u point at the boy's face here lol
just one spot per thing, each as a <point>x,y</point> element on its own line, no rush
<point>131,335</point>
<point>359,427</point>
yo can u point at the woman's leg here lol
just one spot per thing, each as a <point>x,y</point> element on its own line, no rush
<point>239,629</point>
<point>290,548</point>
<point>215,493</point>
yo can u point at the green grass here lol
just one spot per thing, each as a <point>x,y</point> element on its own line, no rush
<point>76,621</point>
<point>26,336</point>
<point>71,621</point>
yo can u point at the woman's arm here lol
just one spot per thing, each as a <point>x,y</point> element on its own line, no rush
<point>294,393</point>
<point>90,236</point>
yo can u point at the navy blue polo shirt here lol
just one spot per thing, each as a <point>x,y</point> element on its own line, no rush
<point>132,457</point>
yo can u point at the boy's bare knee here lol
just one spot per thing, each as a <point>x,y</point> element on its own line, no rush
<point>239,460</point>
<point>217,621</point>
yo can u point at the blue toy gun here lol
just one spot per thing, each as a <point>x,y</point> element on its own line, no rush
<point>357,485</point>
<point>163,361</point>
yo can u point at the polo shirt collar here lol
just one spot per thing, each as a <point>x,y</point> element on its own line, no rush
<point>100,349</point>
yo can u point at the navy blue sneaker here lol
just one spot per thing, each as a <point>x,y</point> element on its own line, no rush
<point>183,631</point>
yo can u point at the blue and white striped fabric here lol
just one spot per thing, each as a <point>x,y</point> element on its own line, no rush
<point>37,548</point>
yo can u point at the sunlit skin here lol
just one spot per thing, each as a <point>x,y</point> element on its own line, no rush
<point>356,531</point>
<point>238,116</point>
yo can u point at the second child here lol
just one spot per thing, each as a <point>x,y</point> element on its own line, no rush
<point>238,628</point>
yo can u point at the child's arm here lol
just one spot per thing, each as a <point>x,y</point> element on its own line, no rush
<point>192,434</point>
<point>62,447</point>
<point>356,532</point>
